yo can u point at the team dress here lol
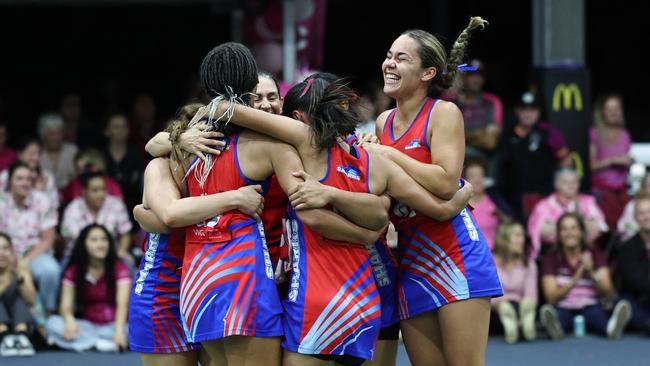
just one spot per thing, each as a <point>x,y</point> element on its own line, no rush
<point>333,306</point>
<point>275,210</point>
<point>155,324</point>
<point>439,262</point>
<point>227,285</point>
<point>384,268</point>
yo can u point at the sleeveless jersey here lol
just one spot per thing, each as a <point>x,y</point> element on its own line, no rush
<point>333,306</point>
<point>439,262</point>
<point>275,209</point>
<point>228,286</point>
<point>155,324</point>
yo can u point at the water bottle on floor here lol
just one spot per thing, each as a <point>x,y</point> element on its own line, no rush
<point>579,326</point>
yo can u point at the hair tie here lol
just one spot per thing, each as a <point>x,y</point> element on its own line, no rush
<point>466,68</point>
<point>307,86</point>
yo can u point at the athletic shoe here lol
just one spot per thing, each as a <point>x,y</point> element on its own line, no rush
<point>527,318</point>
<point>104,345</point>
<point>508,317</point>
<point>8,346</point>
<point>23,345</point>
<point>618,321</point>
<point>550,321</point>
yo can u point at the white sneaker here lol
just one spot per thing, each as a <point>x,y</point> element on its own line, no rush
<point>8,346</point>
<point>23,345</point>
<point>548,316</point>
<point>618,321</point>
<point>104,345</point>
<point>508,317</point>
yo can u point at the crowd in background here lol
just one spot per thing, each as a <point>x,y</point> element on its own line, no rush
<point>567,259</point>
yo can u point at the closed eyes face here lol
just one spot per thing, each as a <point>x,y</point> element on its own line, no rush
<point>401,68</point>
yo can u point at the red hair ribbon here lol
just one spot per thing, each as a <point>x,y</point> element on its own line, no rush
<point>304,91</point>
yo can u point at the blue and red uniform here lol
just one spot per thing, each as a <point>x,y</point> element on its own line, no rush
<point>439,262</point>
<point>155,324</point>
<point>227,285</point>
<point>275,209</point>
<point>333,306</point>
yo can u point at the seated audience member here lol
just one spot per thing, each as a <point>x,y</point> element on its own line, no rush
<point>543,219</point>
<point>529,153</point>
<point>17,294</point>
<point>94,296</point>
<point>490,208</point>
<point>29,152</point>
<point>627,225</point>
<point>575,278</point>
<point>7,154</point>
<point>58,155</point>
<point>95,206</point>
<point>28,218</point>
<point>609,150</point>
<point>124,162</point>
<point>633,268</point>
<point>89,160</point>
<point>518,274</point>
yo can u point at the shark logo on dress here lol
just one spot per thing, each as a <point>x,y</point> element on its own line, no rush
<point>350,171</point>
<point>413,145</point>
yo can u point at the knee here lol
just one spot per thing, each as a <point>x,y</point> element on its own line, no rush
<point>47,268</point>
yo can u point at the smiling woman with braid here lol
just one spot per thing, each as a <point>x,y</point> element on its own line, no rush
<point>447,274</point>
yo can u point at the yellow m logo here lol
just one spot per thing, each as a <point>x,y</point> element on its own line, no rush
<point>567,93</point>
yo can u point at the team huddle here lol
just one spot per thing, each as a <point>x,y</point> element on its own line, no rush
<point>267,222</point>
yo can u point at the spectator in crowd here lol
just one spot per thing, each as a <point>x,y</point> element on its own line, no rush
<point>17,294</point>
<point>627,225</point>
<point>574,279</point>
<point>518,274</point>
<point>609,148</point>
<point>143,122</point>
<point>124,162</point>
<point>95,206</point>
<point>7,154</point>
<point>70,111</point>
<point>482,113</point>
<point>29,152</point>
<point>529,154</point>
<point>29,218</point>
<point>90,160</point>
<point>566,198</point>
<point>58,155</point>
<point>94,296</point>
<point>489,208</point>
<point>633,268</point>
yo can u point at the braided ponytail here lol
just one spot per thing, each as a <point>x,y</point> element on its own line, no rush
<point>458,51</point>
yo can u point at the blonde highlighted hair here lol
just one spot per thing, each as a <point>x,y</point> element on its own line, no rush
<point>433,53</point>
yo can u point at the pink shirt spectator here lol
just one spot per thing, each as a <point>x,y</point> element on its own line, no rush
<point>550,209</point>
<point>485,214</point>
<point>7,157</point>
<point>49,190</point>
<point>25,223</point>
<point>112,215</point>
<point>98,308</point>
<point>75,190</point>
<point>627,226</point>
<point>585,292</point>
<point>613,176</point>
<point>519,282</point>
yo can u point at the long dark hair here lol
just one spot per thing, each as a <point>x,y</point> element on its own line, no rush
<point>328,102</point>
<point>80,260</point>
<point>581,225</point>
<point>12,169</point>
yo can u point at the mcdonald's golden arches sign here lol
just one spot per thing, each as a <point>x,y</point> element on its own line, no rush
<point>567,97</point>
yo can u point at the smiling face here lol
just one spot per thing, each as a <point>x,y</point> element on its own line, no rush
<point>267,96</point>
<point>31,155</point>
<point>95,193</point>
<point>402,68</point>
<point>6,254</point>
<point>570,233</point>
<point>22,181</point>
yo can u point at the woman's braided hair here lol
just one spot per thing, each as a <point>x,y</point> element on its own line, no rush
<point>433,54</point>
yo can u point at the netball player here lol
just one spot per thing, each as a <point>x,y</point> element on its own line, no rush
<point>447,274</point>
<point>325,274</point>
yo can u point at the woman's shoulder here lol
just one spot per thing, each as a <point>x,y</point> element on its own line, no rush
<point>122,271</point>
